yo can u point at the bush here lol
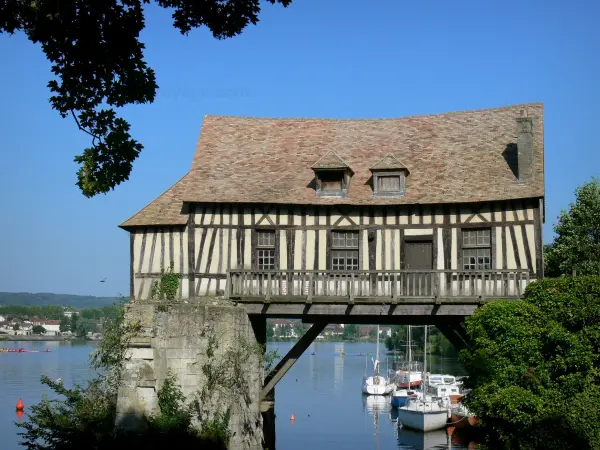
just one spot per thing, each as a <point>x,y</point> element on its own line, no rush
<point>84,417</point>
<point>535,366</point>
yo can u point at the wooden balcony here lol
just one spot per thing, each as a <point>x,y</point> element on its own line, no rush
<point>384,286</point>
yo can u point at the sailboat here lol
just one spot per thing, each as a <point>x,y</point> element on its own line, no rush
<point>376,384</point>
<point>404,380</point>
<point>424,414</point>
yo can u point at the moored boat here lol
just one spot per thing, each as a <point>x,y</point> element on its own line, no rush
<point>424,415</point>
<point>376,384</point>
<point>460,416</point>
<point>401,396</point>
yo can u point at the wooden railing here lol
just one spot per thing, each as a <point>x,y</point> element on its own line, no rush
<point>395,284</point>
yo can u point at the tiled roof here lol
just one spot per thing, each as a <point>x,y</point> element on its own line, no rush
<point>330,161</point>
<point>388,162</point>
<point>452,157</point>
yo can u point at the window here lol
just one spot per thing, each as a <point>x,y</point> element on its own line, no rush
<point>265,250</point>
<point>389,183</point>
<point>344,250</point>
<point>331,182</point>
<point>477,250</point>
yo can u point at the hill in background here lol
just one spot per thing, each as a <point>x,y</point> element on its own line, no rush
<point>47,299</point>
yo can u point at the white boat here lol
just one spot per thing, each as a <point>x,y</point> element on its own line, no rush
<point>442,390</point>
<point>376,384</point>
<point>424,414</point>
<point>436,378</point>
<point>427,413</point>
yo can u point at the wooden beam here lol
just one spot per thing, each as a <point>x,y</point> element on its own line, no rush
<point>450,333</point>
<point>292,356</point>
<point>539,252</point>
<point>367,313</point>
<point>371,226</point>
<point>131,268</point>
<point>191,249</point>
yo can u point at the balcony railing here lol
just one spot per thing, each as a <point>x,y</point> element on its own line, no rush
<point>394,284</point>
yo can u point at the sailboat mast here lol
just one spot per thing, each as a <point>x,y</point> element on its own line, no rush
<point>425,363</point>
<point>409,350</point>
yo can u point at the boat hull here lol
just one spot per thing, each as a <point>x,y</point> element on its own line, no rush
<point>372,389</point>
<point>460,420</point>
<point>423,420</point>
<point>381,387</point>
<point>399,402</point>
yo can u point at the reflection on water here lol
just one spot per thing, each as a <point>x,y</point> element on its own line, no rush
<point>410,439</point>
<point>338,369</point>
<point>323,391</point>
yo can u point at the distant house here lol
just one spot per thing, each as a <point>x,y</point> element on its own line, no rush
<point>52,327</point>
<point>333,330</point>
<point>24,329</point>
<point>2,319</point>
<point>5,326</point>
<point>284,328</point>
<point>385,332</point>
<point>367,330</point>
<point>68,313</point>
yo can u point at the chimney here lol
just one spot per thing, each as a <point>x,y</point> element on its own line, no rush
<point>525,158</point>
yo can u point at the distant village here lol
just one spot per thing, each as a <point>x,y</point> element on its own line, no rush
<point>39,326</point>
<point>285,329</point>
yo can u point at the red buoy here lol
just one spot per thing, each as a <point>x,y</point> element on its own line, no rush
<point>292,418</point>
<point>20,405</point>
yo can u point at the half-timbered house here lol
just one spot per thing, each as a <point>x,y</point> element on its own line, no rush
<point>445,205</point>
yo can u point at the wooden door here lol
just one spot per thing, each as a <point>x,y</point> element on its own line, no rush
<point>418,255</point>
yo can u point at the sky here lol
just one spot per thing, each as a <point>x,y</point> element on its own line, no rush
<point>316,58</point>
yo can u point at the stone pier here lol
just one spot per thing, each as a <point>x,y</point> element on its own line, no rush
<point>177,337</point>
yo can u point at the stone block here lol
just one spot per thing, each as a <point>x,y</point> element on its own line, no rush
<point>140,353</point>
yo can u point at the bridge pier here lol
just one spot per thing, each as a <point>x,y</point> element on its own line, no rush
<point>183,339</point>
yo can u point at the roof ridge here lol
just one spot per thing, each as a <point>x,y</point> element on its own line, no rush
<point>414,116</point>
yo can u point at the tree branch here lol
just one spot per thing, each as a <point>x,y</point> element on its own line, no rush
<point>85,130</point>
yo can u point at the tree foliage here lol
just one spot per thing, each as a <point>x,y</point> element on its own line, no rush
<point>97,60</point>
<point>350,332</point>
<point>38,329</point>
<point>437,344</point>
<point>577,243</point>
<point>535,366</point>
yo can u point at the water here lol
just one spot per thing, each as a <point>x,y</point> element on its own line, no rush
<point>323,391</point>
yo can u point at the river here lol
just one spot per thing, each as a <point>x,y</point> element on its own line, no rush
<point>322,391</point>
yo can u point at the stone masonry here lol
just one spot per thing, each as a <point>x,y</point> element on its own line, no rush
<point>175,337</point>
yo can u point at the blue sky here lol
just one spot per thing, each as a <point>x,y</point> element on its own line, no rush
<point>314,59</point>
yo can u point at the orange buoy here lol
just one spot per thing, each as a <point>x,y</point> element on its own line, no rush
<point>20,405</point>
<point>292,418</point>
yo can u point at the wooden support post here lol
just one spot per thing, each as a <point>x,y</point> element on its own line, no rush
<point>451,333</point>
<point>259,325</point>
<point>292,356</point>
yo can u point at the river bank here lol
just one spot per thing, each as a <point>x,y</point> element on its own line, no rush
<point>39,338</point>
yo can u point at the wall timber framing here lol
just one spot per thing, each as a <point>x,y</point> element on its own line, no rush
<point>219,237</point>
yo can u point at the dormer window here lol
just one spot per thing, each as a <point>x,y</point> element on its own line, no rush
<point>332,176</point>
<point>331,180</point>
<point>389,177</point>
